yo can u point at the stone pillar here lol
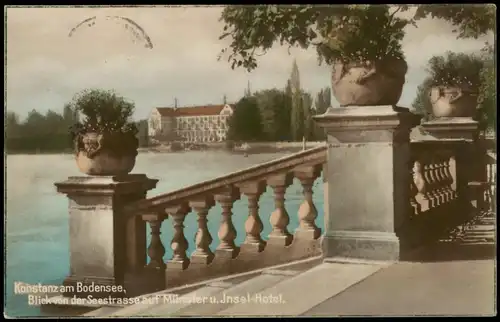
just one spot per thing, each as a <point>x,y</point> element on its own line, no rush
<point>368,175</point>
<point>99,231</point>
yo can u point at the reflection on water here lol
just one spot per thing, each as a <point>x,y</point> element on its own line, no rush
<point>37,216</point>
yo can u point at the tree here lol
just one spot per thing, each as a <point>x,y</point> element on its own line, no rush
<point>470,20</point>
<point>307,103</point>
<point>142,134</point>
<point>487,92</point>
<point>297,113</point>
<point>422,103</point>
<point>245,124</point>
<point>12,125</point>
<point>335,30</point>
<point>274,112</point>
<point>69,115</point>
<point>288,103</point>
<point>322,103</point>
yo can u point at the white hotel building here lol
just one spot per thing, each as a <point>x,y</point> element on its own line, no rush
<point>193,124</point>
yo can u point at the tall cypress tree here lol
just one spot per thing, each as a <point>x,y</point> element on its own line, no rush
<point>297,117</point>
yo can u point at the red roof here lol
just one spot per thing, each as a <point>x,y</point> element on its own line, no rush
<point>191,111</point>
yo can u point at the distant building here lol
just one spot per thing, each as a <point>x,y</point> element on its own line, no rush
<point>191,124</point>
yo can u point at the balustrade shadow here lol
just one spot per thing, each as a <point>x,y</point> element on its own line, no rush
<point>474,238</point>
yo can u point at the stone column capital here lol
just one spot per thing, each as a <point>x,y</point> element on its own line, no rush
<point>359,123</point>
<point>106,185</point>
<point>452,128</point>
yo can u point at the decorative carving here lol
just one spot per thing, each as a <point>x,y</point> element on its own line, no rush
<point>368,83</point>
<point>116,144</point>
<point>452,101</point>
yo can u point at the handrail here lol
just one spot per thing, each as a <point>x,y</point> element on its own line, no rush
<point>314,155</point>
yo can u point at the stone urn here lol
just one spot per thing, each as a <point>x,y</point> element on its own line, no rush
<point>106,154</point>
<point>453,101</point>
<point>369,83</point>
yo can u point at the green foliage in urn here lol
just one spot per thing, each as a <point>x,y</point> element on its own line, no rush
<point>108,116</point>
<point>344,33</point>
<point>456,69</point>
<point>452,70</point>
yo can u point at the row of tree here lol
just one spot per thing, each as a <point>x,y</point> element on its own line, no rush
<point>279,114</point>
<point>49,132</point>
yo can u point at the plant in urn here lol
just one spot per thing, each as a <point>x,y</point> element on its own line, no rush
<point>105,139</point>
<point>455,81</point>
<point>361,42</point>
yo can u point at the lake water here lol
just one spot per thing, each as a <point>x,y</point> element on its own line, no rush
<point>37,236</point>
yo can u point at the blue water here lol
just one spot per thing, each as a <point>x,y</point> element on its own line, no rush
<point>37,236</point>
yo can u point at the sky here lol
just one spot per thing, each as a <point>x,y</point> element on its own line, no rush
<point>46,67</point>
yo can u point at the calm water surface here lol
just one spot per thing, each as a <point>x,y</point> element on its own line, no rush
<point>37,236</point>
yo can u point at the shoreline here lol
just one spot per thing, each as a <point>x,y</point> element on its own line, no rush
<point>249,148</point>
<point>246,148</point>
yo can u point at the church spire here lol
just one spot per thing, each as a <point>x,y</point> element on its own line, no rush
<point>248,92</point>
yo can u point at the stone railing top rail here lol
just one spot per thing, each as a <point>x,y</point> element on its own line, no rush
<point>261,171</point>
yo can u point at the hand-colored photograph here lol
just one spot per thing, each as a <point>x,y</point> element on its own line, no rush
<point>250,161</point>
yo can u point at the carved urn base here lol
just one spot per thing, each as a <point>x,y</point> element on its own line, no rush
<point>452,101</point>
<point>106,154</point>
<point>369,83</point>
<point>104,164</point>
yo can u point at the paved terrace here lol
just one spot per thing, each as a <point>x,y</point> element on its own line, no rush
<point>453,277</point>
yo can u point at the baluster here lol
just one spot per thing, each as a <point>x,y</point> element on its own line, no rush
<point>155,248</point>
<point>203,239</point>
<point>430,184</point>
<point>253,225</point>
<point>442,184</point>
<point>179,242</point>
<point>279,218</point>
<point>435,180</point>
<point>227,232</point>
<point>307,211</point>
<point>421,185</point>
<point>452,171</point>
<point>414,190</point>
<point>448,179</point>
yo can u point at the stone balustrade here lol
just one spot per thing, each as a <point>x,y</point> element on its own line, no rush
<point>434,175</point>
<point>281,246</point>
<point>385,192</point>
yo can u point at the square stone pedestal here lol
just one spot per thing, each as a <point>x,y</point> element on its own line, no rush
<point>368,176</point>
<point>97,225</point>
